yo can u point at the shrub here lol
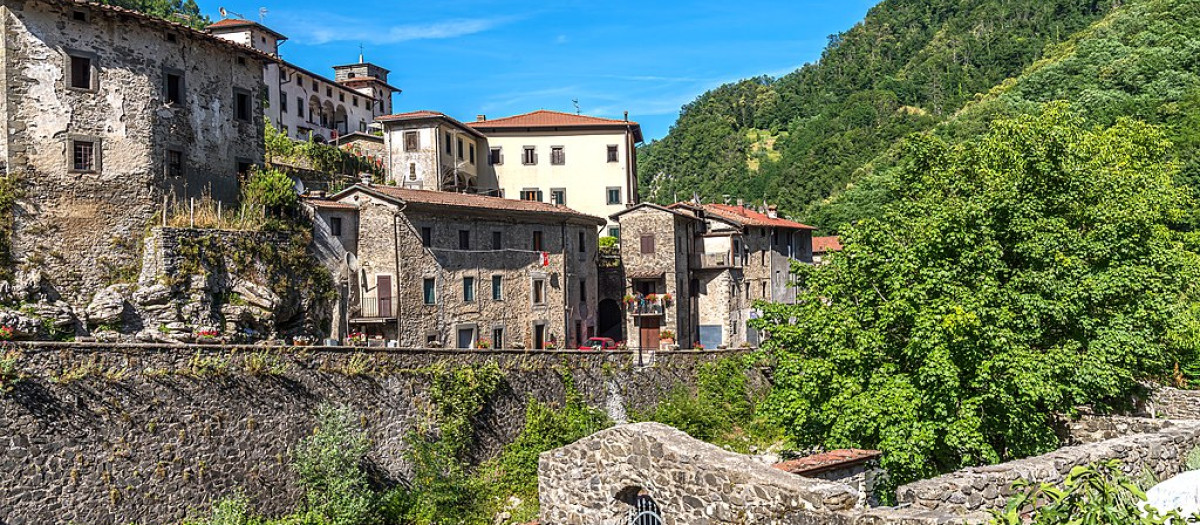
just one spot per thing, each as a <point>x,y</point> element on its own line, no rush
<point>270,188</point>
<point>328,463</point>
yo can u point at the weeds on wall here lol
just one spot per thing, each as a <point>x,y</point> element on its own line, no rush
<point>10,191</point>
<point>10,370</point>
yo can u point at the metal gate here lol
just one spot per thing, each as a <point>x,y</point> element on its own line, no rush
<point>645,511</point>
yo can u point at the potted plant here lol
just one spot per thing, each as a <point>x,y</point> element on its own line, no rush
<point>356,339</point>
<point>208,336</point>
<point>483,344</point>
<point>698,346</point>
<point>302,340</point>
<point>6,333</point>
<point>629,300</point>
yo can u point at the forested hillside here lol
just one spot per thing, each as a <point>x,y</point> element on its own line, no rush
<point>908,66</point>
<point>1140,62</point>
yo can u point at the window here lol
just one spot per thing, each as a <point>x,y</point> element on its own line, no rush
<point>244,166</point>
<point>531,194</point>
<point>174,87</point>
<point>612,153</point>
<point>614,232</point>
<point>329,92</point>
<point>362,126</point>
<point>341,97</point>
<point>537,241</point>
<point>429,291</point>
<point>411,141</point>
<point>242,105</point>
<point>472,157</point>
<point>539,291</point>
<point>283,102</point>
<point>530,156</point>
<point>174,163</point>
<point>354,101</point>
<point>171,37</point>
<point>426,236</point>
<point>558,156</point>
<point>449,145</point>
<point>558,196</point>
<point>335,226</point>
<point>314,84</point>
<point>497,288</point>
<point>84,155</point>
<point>469,289</point>
<point>241,61</point>
<point>497,240</point>
<point>300,107</point>
<point>583,290</point>
<point>79,15</point>
<point>497,338</point>
<point>460,148</point>
<point>747,291</point>
<point>495,157</point>
<point>81,73</point>
<point>614,195</point>
<point>647,244</point>
<point>464,239</point>
<point>412,171</point>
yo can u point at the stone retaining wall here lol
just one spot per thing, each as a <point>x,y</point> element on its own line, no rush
<point>1162,452</point>
<point>1172,403</point>
<point>103,434</point>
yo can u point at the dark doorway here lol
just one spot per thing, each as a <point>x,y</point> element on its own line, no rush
<point>610,320</point>
<point>383,286</point>
<point>539,336</point>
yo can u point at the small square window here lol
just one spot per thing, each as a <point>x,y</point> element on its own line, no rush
<point>429,291</point>
<point>612,153</point>
<point>539,291</point>
<point>241,61</point>
<point>174,163</point>
<point>314,85</point>
<point>174,87</point>
<point>469,289</point>
<point>85,155</point>
<point>341,97</point>
<point>558,196</point>
<point>79,15</point>
<point>558,155</point>
<point>242,105</point>
<point>335,226</point>
<point>81,73</point>
<point>495,157</point>
<point>614,195</point>
<point>531,194</point>
<point>172,37</point>
<point>497,288</point>
<point>329,92</point>
<point>411,141</point>
<point>530,156</point>
<point>647,244</point>
<point>426,236</point>
<point>614,232</point>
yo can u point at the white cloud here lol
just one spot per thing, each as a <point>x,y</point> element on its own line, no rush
<point>328,27</point>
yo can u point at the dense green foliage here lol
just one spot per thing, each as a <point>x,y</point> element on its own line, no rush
<point>270,188</point>
<point>1139,62</point>
<point>186,12</point>
<point>1097,494</point>
<point>311,156</point>
<point>907,66</point>
<point>1016,275</point>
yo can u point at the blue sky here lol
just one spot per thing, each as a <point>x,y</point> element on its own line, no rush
<point>501,57</point>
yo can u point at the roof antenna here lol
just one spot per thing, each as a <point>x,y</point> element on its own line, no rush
<point>576,102</point>
<point>225,14</point>
<point>360,53</point>
<point>262,14</point>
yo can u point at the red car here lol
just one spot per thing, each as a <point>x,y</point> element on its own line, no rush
<point>599,343</point>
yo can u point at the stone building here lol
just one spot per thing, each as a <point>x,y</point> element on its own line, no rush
<point>427,150</point>
<point>696,270</point>
<point>587,163</point>
<point>430,268</point>
<point>822,247</point>
<point>108,110</point>
<point>301,103</point>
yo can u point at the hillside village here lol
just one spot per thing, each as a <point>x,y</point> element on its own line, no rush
<point>473,234</point>
<point>237,291</point>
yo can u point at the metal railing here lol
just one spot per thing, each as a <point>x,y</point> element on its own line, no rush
<point>373,308</point>
<point>711,261</point>
<point>646,308</point>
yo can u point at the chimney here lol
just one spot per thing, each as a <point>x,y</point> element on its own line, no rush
<point>627,115</point>
<point>480,118</point>
<point>772,212</point>
<point>741,203</point>
<point>365,179</point>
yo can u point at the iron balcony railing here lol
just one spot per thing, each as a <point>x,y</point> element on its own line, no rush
<point>715,261</point>
<point>373,308</point>
<point>646,308</point>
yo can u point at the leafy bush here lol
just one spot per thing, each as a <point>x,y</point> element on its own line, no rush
<point>272,189</point>
<point>1096,494</point>
<point>1021,274</point>
<point>328,463</point>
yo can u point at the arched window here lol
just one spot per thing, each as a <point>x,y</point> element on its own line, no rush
<point>643,509</point>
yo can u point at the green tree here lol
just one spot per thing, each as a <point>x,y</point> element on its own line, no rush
<point>1016,276</point>
<point>186,12</point>
<point>328,463</point>
<point>272,189</point>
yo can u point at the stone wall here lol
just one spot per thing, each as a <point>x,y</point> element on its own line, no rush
<point>106,434</point>
<point>1162,452</point>
<point>1172,403</point>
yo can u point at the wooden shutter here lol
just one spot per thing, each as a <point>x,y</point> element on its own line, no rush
<point>647,244</point>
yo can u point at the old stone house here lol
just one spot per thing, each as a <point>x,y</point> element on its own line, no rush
<point>431,268</point>
<point>822,247</point>
<point>107,110</point>
<point>696,270</point>
<point>304,104</point>
<point>428,150</point>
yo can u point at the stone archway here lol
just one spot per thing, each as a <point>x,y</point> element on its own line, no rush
<point>609,320</point>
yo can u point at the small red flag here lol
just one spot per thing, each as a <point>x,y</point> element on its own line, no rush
<point>545,259</point>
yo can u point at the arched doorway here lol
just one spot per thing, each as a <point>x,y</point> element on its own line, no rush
<point>609,320</point>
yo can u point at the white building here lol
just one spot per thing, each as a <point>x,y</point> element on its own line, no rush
<point>586,163</point>
<point>301,103</point>
<point>427,150</point>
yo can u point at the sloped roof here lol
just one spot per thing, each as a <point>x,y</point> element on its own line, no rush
<point>653,206</point>
<point>165,23</point>
<point>826,244</point>
<point>470,202</point>
<point>825,461</point>
<point>744,216</point>
<point>234,23</point>
<point>425,114</point>
<point>544,118</point>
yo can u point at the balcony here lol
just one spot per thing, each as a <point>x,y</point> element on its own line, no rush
<point>646,309</point>
<point>373,309</point>
<point>715,261</point>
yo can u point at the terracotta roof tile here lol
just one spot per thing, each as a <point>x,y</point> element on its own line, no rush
<point>830,460</point>
<point>328,204</point>
<point>544,118</point>
<point>92,4</point>
<point>744,216</point>
<point>466,201</point>
<point>826,244</point>
<point>426,114</point>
